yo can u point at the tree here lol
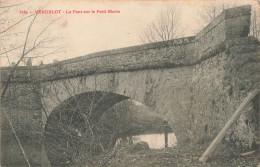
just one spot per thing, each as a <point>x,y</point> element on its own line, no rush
<point>166,27</point>
<point>76,131</point>
<point>21,38</point>
<point>212,9</point>
<point>25,36</point>
<point>81,126</point>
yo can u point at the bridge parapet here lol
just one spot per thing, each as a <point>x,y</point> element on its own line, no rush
<point>172,53</point>
<point>231,24</point>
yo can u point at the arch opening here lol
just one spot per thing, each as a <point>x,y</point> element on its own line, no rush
<point>92,122</point>
<point>81,124</point>
<point>141,124</point>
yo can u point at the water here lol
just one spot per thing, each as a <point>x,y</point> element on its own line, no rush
<point>155,141</point>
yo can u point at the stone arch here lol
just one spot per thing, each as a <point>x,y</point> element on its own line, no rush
<point>78,120</point>
<point>72,125</point>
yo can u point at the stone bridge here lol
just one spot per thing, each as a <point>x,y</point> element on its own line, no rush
<point>194,83</point>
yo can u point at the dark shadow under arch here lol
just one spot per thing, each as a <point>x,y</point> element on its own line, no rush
<point>81,123</point>
<point>91,122</point>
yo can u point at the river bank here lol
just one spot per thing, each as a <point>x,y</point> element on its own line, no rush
<point>172,157</point>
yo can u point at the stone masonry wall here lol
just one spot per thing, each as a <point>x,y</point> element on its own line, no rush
<point>232,23</point>
<point>24,110</point>
<point>220,84</point>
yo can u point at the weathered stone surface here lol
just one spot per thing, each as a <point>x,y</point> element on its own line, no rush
<point>194,83</point>
<point>219,85</point>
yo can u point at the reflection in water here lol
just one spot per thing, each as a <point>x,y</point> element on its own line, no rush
<point>155,141</point>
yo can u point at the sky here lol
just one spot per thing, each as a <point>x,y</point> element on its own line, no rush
<point>84,33</point>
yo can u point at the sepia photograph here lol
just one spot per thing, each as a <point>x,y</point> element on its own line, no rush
<point>130,83</point>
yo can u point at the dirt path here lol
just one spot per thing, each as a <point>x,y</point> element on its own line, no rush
<point>171,157</point>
